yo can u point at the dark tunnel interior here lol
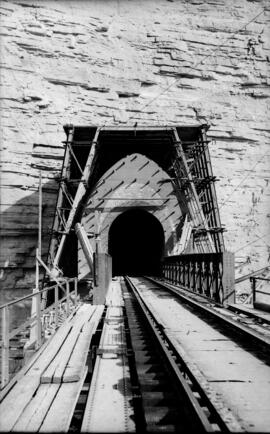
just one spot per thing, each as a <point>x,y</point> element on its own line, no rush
<point>136,244</point>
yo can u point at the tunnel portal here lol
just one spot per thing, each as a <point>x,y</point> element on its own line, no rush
<point>136,244</point>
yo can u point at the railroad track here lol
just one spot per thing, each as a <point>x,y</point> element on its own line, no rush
<point>168,398</point>
<point>217,366</point>
<point>245,323</point>
<point>160,363</point>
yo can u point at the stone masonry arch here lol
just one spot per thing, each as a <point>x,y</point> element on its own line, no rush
<point>134,182</point>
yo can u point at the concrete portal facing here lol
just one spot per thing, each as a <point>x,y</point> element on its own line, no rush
<point>163,172</point>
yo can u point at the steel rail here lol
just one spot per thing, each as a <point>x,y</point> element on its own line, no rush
<point>255,336</point>
<point>182,373</point>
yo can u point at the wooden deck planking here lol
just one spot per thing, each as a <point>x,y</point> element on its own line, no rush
<point>47,357</point>
<point>33,416</point>
<point>55,371</point>
<point>61,411</point>
<point>16,401</point>
<point>16,396</point>
<point>62,359</point>
<point>22,392</point>
<point>29,405</point>
<point>23,371</point>
<point>78,357</point>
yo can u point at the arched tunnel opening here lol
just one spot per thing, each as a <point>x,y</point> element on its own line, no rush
<point>136,244</point>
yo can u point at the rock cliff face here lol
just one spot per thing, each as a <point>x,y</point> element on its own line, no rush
<point>120,62</point>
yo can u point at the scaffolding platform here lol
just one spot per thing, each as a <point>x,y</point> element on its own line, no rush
<point>43,396</point>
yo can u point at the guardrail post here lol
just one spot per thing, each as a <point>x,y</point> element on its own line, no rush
<point>76,290</point>
<point>5,347</point>
<point>67,293</point>
<point>38,320</point>
<point>56,305</point>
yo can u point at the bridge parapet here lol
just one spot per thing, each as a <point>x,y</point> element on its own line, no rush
<point>208,274</point>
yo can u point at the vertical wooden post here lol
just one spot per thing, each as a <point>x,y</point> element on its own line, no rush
<point>78,196</point>
<point>37,270</point>
<point>56,305</point>
<point>40,215</point>
<point>44,295</point>
<point>38,320</point>
<point>67,293</point>
<point>76,290</point>
<point>97,239</point>
<point>35,333</point>
<point>5,347</point>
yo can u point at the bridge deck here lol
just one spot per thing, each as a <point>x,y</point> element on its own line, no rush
<point>235,376</point>
<point>109,405</point>
<point>44,396</point>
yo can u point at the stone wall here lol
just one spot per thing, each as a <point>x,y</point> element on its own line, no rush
<point>120,62</point>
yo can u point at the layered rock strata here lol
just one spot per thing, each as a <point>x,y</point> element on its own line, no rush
<point>118,63</point>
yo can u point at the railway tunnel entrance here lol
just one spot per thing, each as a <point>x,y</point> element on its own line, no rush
<point>136,244</point>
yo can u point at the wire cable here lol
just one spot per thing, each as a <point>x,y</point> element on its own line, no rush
<point>251,242</point>
<point>241,182</point>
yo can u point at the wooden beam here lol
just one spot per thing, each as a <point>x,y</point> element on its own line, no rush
<point>5,347</point>
<point>81,190</point>
<point>16,401</point>
<point>55,370</point>
<point>59,203</point>
<point>77,361</point>
<point>34,414</point>
<point>61,411</point>
<point>194,204</point>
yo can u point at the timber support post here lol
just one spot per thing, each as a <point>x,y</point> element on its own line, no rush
<point>5,347</point>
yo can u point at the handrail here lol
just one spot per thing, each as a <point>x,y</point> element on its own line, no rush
<point>253,280</point>
<point>35,321</point>
<point>32,319</point>
<point>260,278</point>
<point>34,294</point>
<point>253,273</point>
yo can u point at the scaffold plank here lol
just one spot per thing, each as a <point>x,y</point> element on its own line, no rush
<point>31,404</point>
<point>56,342</point>
<point>61,411</point>
<point>55,371</point>
<point>78,357</point>
<point>17,398</point>
<point>16,401</point>
<point>32,417</point>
